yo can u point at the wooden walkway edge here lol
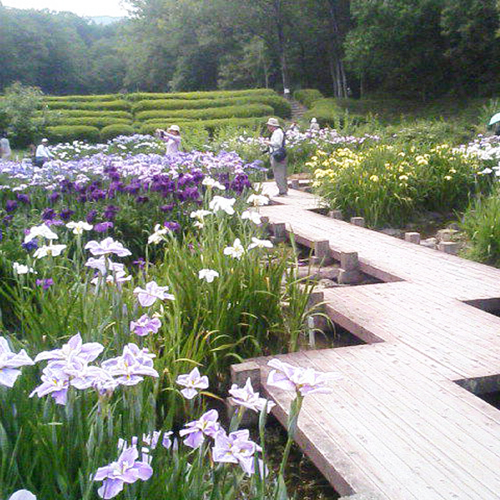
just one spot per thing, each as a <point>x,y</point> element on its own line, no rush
<point>404,422</point>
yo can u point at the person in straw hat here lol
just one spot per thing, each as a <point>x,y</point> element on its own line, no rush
<point>278,154</point>
<point>172,137</point>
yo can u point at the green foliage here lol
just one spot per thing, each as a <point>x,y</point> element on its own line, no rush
<point>210,113</point>
<point>330,114</point>
<point>280,105</point>
<point>389,185</point>
<point>23,110</point>
<point>86,113</point>
<point>307,96</point>
<point>118,104</point>
<point>219,94</point>
<point>209,125</point>
<point>481,223</point>
<point>83,98</point>
<point>111,131</point>
<point>65,133</point>
<point>92,121</point>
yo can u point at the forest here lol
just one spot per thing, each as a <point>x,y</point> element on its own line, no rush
<point>409,48</point>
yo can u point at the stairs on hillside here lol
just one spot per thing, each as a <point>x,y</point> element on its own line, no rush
<point>298,110</point>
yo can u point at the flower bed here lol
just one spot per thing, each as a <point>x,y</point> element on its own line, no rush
<point>129,284</point>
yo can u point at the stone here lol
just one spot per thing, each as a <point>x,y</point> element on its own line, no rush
<point>358,221</point>
<point>335,214</point>
<point>449,247</point>
<point>429,243</point>
<point>412,238</point>
<point>445,234</point>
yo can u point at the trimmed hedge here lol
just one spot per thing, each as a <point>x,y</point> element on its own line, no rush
<point>280,105</point>
<point>327,112</point>
<point>112,131</point>
<point>83,98</point>
<point>63,133</point>
<point>209,125</point>
<point>93,121</point>
<point>102,105</point>
<point>86,113</point>
<point>216,94</point>
<point>208,113</point>
<point>307,96</point>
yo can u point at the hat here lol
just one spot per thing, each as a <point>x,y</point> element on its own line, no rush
<point>175,128</point>
<point>313,120</point>
<point>273,122</point>
<point>45,140</point>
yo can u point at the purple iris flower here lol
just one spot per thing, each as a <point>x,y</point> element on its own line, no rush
<point>207,425</point>
<point>140,263</point>
<point>10,362</point>
<point>107,246</point>
<point>102,227</point>
<point>10,205</point>
<point>7,220</point>
<point>30,245</point>
<point>55,382</point>
<point>110,212</point>
<point>172,225</point>
<point>49,214</point>
<point>142,199</point>
<point>167,208</point>
<point>23,198</point>
<point>45,283</point>
<point>152,292</point>
<point>98,378</point>
<point>145,325</point>
<point>91,215</point>
<point>127,469</point>
<point>66,213</point>
<point>54,196</point>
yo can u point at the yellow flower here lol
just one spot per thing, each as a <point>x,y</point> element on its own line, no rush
<point>403,177</point>
<point>447,177</point>
<point>374,178</point>
<point>453,171</point>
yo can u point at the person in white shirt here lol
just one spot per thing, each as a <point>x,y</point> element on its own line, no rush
<point>172,137</point>
<point>314,125</point>
<point>278,154</point>
<point>43,154</point>
<point>5,150</point>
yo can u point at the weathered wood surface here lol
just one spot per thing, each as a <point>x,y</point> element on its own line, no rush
<point>400,425</point>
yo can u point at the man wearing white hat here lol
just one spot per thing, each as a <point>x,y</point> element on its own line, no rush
<point>42,153</point>
<point>278,154</point>
<point>172,137</point>
<point>314,125</point>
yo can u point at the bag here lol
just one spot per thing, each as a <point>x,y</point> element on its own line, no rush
<point>280,154</point>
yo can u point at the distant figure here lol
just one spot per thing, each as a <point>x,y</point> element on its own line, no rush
<point>43,154</point>
<point>278,154</point>
<point>172,137</point>
<point>314,125</point>
<point>294,127</point>
<point>5,151</point>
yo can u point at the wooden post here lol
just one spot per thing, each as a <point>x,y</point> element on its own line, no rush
<point>279,232</point>
<point>295,184</point>
<point>335,214</point>
<point>322,253</point>
<point>358,221</point>
<point>239,375</point>
<point>316,304</point>
<point>349,273</point>
<point>449,247</point>
<point>413,238</point>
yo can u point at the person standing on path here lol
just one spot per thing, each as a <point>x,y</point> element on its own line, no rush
<point>314,125</point>
<point>172,137</point>
<point>278,154</point>
<point>42,154</point>
<point>5,150</point>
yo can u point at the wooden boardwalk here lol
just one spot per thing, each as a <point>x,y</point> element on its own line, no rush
<point>403,423</point>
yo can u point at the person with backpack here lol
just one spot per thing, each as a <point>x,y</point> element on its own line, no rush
<point>278,155</point>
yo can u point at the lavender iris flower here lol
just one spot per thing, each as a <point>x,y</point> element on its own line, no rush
<point>10,362</point>
<point>235,448</point>
<point>55,382</point>
<point>302,380</point>
<point>45,283</point>
<point>75,348</point>
<point>152,292</point>
<point>206,425</point>
<point>10,205</point>
<point>102,227</point>
<point>107,246</point>
<point>145,325</point>
<point>23,495</point>
<point>248,398</point>
<point>127,469</point>
<point>132,366</point>
<point>192,381</point>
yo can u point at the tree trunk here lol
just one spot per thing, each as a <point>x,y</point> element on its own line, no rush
<point>280,32</point>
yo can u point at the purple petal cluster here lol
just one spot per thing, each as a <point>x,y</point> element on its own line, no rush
<point>10,363</point>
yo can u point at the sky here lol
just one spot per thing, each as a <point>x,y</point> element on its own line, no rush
<point>82,8</point>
